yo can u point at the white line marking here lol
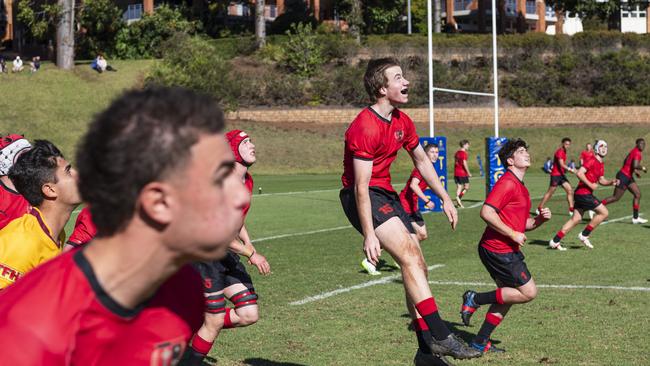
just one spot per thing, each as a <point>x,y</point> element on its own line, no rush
<point>380,281</point>
<point>583,287</point>
<point>619,219</point>
<point>302,233</point>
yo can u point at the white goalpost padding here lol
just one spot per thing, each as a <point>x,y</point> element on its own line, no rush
<point>432,89</point>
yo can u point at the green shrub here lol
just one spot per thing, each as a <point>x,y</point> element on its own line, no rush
<point>101,21</point>
<point>143,38</point>
<point>303,53</point>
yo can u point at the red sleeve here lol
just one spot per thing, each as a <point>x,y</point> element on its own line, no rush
<point>637,155</point>
<point>561,154</point>
<point>84,229</point>
<point>417,175</point>
<point>500,194</point>
<point>362,141</point>
<point>411,139</point>
<point>464,155</point>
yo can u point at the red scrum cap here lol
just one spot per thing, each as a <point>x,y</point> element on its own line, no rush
<point>10,146</point>
<point>235,138</point>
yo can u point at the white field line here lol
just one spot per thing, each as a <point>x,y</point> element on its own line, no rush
<point>579,287</point>
<point>302,233</point>
<point>380,281</point>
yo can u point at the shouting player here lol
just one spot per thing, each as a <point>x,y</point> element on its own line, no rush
<point>158,175</point>
<point>461,172</point>
<point>506,212</point>
<point>227,278</point>
<point>373,208</point>
<point>558,177</point>
<point>591,174</point>
<point>12,203</point>
<point>631,167</point>
<point>49,184</point>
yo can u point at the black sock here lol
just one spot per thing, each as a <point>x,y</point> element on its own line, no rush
<point>587,230</point>
<point>429,312</point>
<point>635,214</point>
<point>423,345</point>
<point>490,323</point>
<point>486,298</point>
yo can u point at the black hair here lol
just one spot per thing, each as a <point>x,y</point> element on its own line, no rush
<point>430,146</point>
<point>639,140</point>
<point>141,137</point>
<point>508,149</point>
<point>566,139</point>
<point>34,168</point>
<point>375,76</point>
<point>463,142</point>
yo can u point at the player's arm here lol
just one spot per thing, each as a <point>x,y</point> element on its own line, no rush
<point>491,217</point>
<point>581,175</point>
<point>607,182</point>
<point>415,187</point>
<point>466,167</point>
<point>562,164</point>
<point>244,246</point>
<point>534,222</point>
<point>423,164</point>
<point>637,167</point>
<point>362,174</point>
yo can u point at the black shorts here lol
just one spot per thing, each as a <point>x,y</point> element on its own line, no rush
<point>218,275</point>
<point>558,180</point>
<point>461,180</point>
<point>585,202</point>
<point>624,180</point>
<point>417,218</point>
<point>383,206</point>
<point>508,269</point>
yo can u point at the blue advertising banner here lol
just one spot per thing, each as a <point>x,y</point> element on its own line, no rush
<point>440,166</point>
<point>494,167</point>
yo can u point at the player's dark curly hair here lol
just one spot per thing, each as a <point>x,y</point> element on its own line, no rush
<point>566,139</point>
<point>375,76</point>
<point>508,149</point>
<point>34,168</point>
<point>143,136</point>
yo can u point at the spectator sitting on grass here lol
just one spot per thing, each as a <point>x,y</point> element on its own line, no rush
<point>18,65</point>
<point>100,65</point>
<point>3,65</point>
<point>35,64</point>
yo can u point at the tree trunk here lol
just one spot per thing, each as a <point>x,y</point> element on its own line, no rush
<point>65,36</point>
<point>356,20</point>
<point>260,24</point>
<point>436,16</point>
<point>481,16</point>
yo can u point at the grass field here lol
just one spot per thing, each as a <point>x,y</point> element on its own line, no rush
<point>298,224</point>
<point>312,250</point>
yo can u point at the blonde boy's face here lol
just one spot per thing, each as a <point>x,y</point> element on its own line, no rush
<point>396,89</point>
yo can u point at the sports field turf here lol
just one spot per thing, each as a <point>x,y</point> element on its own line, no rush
<point>298,224</point>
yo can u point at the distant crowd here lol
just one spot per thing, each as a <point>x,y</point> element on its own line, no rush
<point>98,64</point>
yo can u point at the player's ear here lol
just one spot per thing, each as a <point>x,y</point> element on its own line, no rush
<point>49,190</point>
<point>156,201</point>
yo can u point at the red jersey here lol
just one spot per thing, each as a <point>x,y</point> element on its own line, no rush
<point>595,170</point>
<point>59,314</point>
<point>459,168</point>
<point>12,205</point>
<point>628,167</point>
<point>586,155</point>
<point>374,138</point>
<point>407,196</point>
<point>511,200</point>
<point>560,154</point>
<point>248,182</point>
<point>84,228</point>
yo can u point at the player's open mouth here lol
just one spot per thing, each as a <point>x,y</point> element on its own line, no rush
<point>405,91</point>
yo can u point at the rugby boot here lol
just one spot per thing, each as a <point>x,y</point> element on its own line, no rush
<point>429,359</point>
<point>585,241</point>
<point>469,306</point>
<point>454,347</point>
<point>487,347</point>
<point>554,245</point>
<point>639,220</point>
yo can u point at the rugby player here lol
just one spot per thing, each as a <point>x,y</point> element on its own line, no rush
<point>591,174</point>
<point>373,208</point>
<point>228,278</point>
<point>49,183</point>
<point>558,177</point>
<point>586,154</point>
<point>506,212</point>
<point>156,170</point>
<point>461,172</point>
<point>12,203</point>
<point>631,167</point>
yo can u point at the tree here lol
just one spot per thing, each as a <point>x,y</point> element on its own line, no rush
<point>65,35</point>
<point>260,24</point>
<point>608,11</point>
<point>99,22</point>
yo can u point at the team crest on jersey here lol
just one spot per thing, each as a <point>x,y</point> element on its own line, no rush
<point>168,353</point>
<point>399,135</point>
